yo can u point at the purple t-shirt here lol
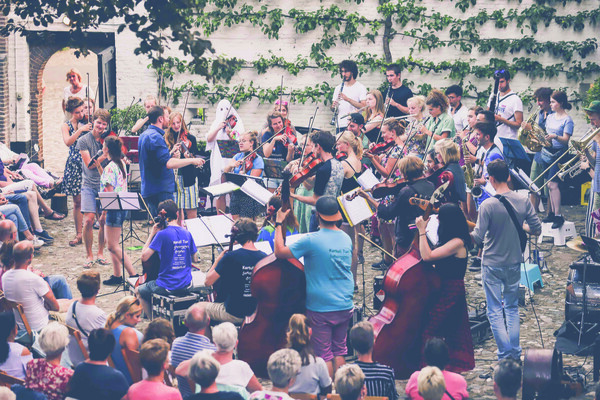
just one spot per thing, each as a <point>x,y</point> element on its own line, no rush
<point>175,247</point>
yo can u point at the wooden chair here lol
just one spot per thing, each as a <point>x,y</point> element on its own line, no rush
<point>376,398</point>
<point>133,362</point>
<point>334,396</point>
<point>8,305</point>
<point>8,380</point>
<point>77,336</point>
<point>303,396</point>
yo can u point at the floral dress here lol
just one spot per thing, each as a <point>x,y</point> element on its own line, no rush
<point>72,177</point>
<point>51,380</point>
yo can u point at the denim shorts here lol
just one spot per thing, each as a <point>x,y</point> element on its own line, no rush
<point>89,202</point>
<point>115,218</point>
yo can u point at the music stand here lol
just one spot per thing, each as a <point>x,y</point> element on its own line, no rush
<point>239,179</point>
<point>593,248</point>
<point>228,148</point>
<point>274,168</point>
<point>513,150</point>
<point>131,234</point>
<point>124,201</point>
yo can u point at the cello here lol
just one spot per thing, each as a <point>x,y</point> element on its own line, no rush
<point>408,285</point>
<point>279,287</point>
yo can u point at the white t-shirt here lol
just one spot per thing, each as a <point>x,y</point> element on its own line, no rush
<point>90,317</point>
<point>16,364</point>
<point>312,377</point>
<point>235,372</point>
<point>460,118</point>
<point>28,289</point>
<point>81,94</point>
<point>357,92</point>
<point>506,107</point>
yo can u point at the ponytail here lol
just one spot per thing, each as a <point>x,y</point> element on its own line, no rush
<point>7,327</point>
<point>6,254</point>
<point>298,337</point>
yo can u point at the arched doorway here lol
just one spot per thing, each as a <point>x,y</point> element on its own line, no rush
<point>42,46</point>
<point>54,81</point>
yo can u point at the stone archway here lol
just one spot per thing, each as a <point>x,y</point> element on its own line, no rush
<point>42,45</point>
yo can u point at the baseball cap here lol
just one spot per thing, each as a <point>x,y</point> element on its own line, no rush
<point>357,118</point>
<point>593,107</point>
<point>328,209</point>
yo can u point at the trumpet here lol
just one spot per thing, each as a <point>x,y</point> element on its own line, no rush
<point>570,172</point>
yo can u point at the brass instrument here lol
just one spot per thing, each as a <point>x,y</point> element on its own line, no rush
<point>535,138</point>
<point>355,111</point>
<point>581,147</point>
<point>468,168</point>
<point>574,170</point>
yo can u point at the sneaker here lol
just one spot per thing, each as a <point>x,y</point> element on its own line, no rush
<point>43,235</point>
<point>113,281</point>
<point>381,265</point>
<point>361,258</point>
<point>549,218</point>
<point>37,242</point>
<point>558,222</point>
<point>96,225</point>
<point>475,265</point>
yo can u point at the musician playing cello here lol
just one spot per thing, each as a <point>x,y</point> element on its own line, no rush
<point>329,283</point>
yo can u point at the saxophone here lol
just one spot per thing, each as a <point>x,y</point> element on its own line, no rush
<point>468,168</point>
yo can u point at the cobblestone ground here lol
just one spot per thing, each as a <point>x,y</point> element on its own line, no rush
<point>549,300</point>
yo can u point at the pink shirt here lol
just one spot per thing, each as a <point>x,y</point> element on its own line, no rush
<point>147,390</point>
<point>456,385</point>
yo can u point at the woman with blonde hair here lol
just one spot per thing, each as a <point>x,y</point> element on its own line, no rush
<point>416,140</point>
<point>313,377</point>
<point>448,154</point>
<point>351,146</point>
<point>179,138</point>
<point>431,383</point>
<point>373,116</point>
<point>122,325</point>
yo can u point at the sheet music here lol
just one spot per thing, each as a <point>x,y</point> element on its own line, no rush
<point>490,189</point>
<point>367,180</point>
<point>198,278</point>
<point>432,229</point>
<point>257,192</point>
<point>119,201</point>
<point>356,210</point>
<point>221,189</point>
<point>264,246</point>
<point>220,226</point>
<point>293,239</point>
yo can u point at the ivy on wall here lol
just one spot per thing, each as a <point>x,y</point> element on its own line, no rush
<point>427,30</point>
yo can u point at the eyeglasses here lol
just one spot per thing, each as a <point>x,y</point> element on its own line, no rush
<point>283,103</point>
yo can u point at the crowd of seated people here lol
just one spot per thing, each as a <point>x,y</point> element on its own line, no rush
<point>208,367</point>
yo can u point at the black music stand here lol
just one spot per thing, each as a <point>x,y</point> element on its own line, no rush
<point>274,168</point>
<point>124,201</point>
<point>593,248</point>
<point>228,148</point>
<point>239,179</point>
<point>513,150</point>
<point>131,234</point>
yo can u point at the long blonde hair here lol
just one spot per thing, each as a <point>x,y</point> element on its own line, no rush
<point>298,337</point>
<point>127,305</point>
<point>170,135</point>
<point>354,142</point>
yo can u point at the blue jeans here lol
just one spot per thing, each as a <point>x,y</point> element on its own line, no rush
<point>313,225</point>
<point>154,200</point>
<point>59,286</point>
<point>13,212</point>
<point>21,201</point>
<point>501,287</point>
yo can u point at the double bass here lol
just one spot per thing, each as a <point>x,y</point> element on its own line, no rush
<point>408,285</point>
<point>279,287</point>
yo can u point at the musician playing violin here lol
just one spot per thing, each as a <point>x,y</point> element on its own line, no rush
<point>400,209</point>
<point>186,194</point>
<point>417,141</point>
<point>233,270</point>
<point>302,211</point>
<point>241,204</point>
<point>329,175</point>
<point>441,124</point>
<point>280,146</point>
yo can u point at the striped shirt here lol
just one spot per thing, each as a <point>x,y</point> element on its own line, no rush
<point>379,380</point>
<point>183,349</point>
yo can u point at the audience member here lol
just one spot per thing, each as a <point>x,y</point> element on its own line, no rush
<point>184,348</point>
<point>507,379</point>
<point>153,356</point>
<point>379,379</point>
<point>46,375</point>
<point>283,366</point>
<point>93,379</point>
<point>160,328</point>
<point>313,377</point>
<point>203,371</point>
<point>13,356</point>
<point>122,324</point>
<point>28,289</point>
<point>84,315</point>
<point>350,382</point>
<point>436,355</point>
<point>431,383</point>
<point>7,394</point>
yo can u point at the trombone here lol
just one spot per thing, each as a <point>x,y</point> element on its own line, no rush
<point>580,147</point>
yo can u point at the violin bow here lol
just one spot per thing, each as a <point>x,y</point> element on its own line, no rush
<point>87,91</point>
<point>311,122</point>
<point>263,143</point>
<point>408,139</point>
<point>387,107</point>
<point>233,101</point>
<point>187,97</point>
<point>169,94</point>
<point>127,114</point>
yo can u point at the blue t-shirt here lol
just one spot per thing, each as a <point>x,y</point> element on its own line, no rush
<point>279,151</point>
<point>175,247</point>
<point>327,260</point>
<point>154,155</point>
<point>235,276</point>
<point>257,163</point>
<point>559,127</point>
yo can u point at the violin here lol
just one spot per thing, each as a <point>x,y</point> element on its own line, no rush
<point>289,134</point>
<point>381,148</point>
<point>231,122</point>
<point>341,156</point>
<point>249,162</point>
<point>309,167</point>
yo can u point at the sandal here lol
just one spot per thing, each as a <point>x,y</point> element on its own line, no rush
<point>102,261</point>
<point>76,241</point>
<point>54,216</point>
<point>88,264</point>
